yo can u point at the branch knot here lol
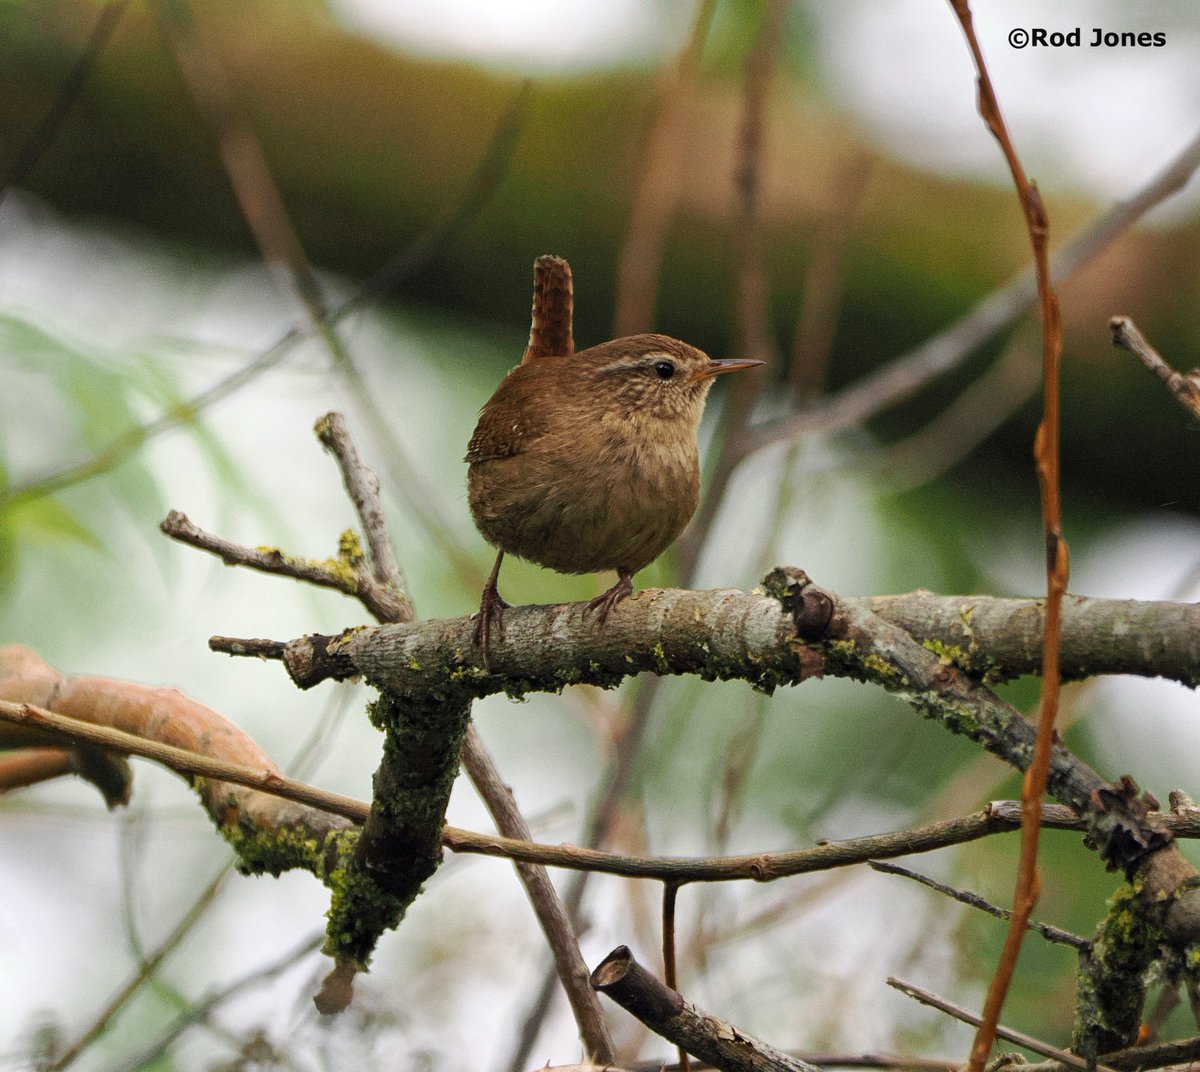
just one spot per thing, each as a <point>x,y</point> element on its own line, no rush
<point>811,607</point>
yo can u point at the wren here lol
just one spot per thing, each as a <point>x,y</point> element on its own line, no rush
<point>587,462</point>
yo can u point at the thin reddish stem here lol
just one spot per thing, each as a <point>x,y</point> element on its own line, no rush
<point>1046,455</point>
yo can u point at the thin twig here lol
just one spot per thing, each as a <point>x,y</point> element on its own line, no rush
<point>603,815</point>
<point>362,485</point>
<point>183,761</point>
<point>1046,452</point>
<point>890,1062</point>
<point>907,374</point>
<point>245,162</point>
<point>347,573</point>
<point>766,866</point>
<point>1006,1033</point>
<point>953,433</point>
<point>488,174</point>
<point>1184,386</point>
<point>204,1008</point>
<point>145,971</point>
<point>639,263</point>
<point>44,133</point>
<point>1046,930</point>
<point>754,336</point>
<point>670,894</point>
<point>760,867</point>
<point>551,914</point>
<point>824,278</point>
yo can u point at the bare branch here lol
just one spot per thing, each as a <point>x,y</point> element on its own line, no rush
<point>266,780</point>
<point>666,1013</point>
<point>1006,1033</point>
<point>548,907</point>
<point>907,374</point>
<point>348,573</point>
<point>746,635</point>
<point>657,191</point>
<point>44,133</point>
<point>1046,930</point>
<point>1184,386</point>
<point>1046,456</point>
<point>1158,1055</point>
<point>754,337</point>
<point>362,485</point>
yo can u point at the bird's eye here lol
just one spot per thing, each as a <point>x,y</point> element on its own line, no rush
<point>664,369</point>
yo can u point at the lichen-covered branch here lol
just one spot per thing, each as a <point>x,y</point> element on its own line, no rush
<point>347,573</point>
<point>269,833</point>
<point>729,634</point>
<point>400,844</point>
<point>1111,987</point>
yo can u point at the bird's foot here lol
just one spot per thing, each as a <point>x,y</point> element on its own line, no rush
<point>491,613</point>
<point>604,603</point>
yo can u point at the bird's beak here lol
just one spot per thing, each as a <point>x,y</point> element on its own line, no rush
<point>717,367</point>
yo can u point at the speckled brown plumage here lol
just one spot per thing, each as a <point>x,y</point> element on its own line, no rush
<point>589,462</point>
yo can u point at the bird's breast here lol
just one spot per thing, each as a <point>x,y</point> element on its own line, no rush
<point>592,498</point>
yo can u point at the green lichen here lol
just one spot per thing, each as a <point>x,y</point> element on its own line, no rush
<point>271,852</point>
<point>948,654</point>
<point>882,672</point>
<point>400,844</point>
<point>360,910</point>
<point>660,659</point>
<point>960,718</point>
<point>350,548</point>
<point>1111,987</point>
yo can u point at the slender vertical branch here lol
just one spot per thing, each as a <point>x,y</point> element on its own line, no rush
<point>46,130</point>
<point>362,485</point>
<point>552,915</point>
<point>670,894</point>
<point>266,215</point>
<point>1046,454</point>
<point>657,191</point>
<point>753,292</point>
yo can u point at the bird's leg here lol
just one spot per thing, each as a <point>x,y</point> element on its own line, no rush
<point>605,602</point>
<point>491,606</point>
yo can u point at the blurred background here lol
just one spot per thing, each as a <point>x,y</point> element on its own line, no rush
<point>428,152</point>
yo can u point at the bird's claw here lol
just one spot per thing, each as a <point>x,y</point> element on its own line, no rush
<point>603,604</point>
<point>491,612</point>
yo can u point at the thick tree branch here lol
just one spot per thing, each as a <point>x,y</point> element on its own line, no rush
<point>746,635</point>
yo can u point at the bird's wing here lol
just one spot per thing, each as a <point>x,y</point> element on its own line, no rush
<point>514,417</point>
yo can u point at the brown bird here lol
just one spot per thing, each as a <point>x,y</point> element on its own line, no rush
<point>588,462</point>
